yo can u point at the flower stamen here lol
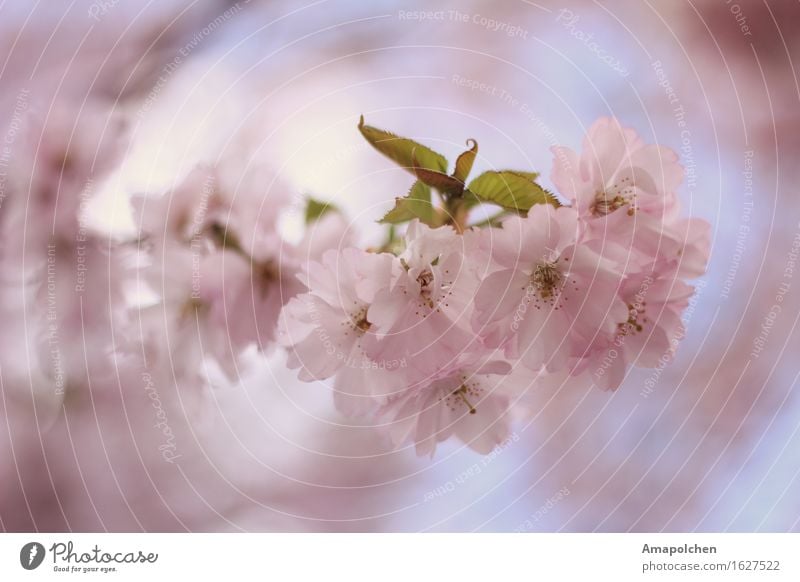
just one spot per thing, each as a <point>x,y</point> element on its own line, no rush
<point>462,393</point>
<point>614,198</point>
<point>546,278</point>
<point>634,324</point>
<point>425,278</point>
<point>359,321</point>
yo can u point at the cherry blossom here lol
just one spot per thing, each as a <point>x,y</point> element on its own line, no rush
<point>617,171</point>
<point>325,328</point>
<point>62,161</point>
<point>638,245</point>
<point>550,296</point>
<point>67,277</point>
<point>230,201</point>
<point>217,263</point>
<point>655,302</point>
<point>424,314</point>
<point>182,213</point>
<point>468,401</point>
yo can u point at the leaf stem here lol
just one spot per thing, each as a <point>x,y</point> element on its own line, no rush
<point>456,213</point>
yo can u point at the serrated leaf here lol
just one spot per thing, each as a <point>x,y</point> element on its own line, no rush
<point>510,189</point>
<point>465,161</point>
<point>402,150</point>
<point>400,213</point>
<point>316,209</point>
<point>532,176</point>
<point>416,204</point>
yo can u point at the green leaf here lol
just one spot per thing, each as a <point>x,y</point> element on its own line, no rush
<point>465,161</point>
<point>402,150</point>
<point>532,176</point>
<point>316,209</point>
<point>510,189</point>
<point>416,204</point>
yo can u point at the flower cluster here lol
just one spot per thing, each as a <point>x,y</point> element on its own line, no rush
<point>86,307</point>
<point>445,335</point>
<point>70,323</point>
<point>439,332</point>
<point>217,266</point>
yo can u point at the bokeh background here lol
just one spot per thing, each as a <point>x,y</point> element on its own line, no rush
<point>709,443</point>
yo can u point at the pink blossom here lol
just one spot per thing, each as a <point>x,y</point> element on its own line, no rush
<point>218,263</point>
<point>81,304</point>
<point>67,280</point>
<point>325,328</point>
<point>245,297</point>
<point>177,330</point>
<point>650,333</point>
<point>424,314</point>
<point>648,242</point>
<point>468,401</point>
<point>691,259</point>
<point>248,199</point>
<point>62,159</point>
<point>182,213</point>
<point>551,295</point>
<point>211,305</point>
<point>231,202</point>
<point>617,171</point>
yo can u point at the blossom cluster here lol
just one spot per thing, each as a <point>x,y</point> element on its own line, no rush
<point>446,335</point>
<point>90,309</point>
<point>442,331</point>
